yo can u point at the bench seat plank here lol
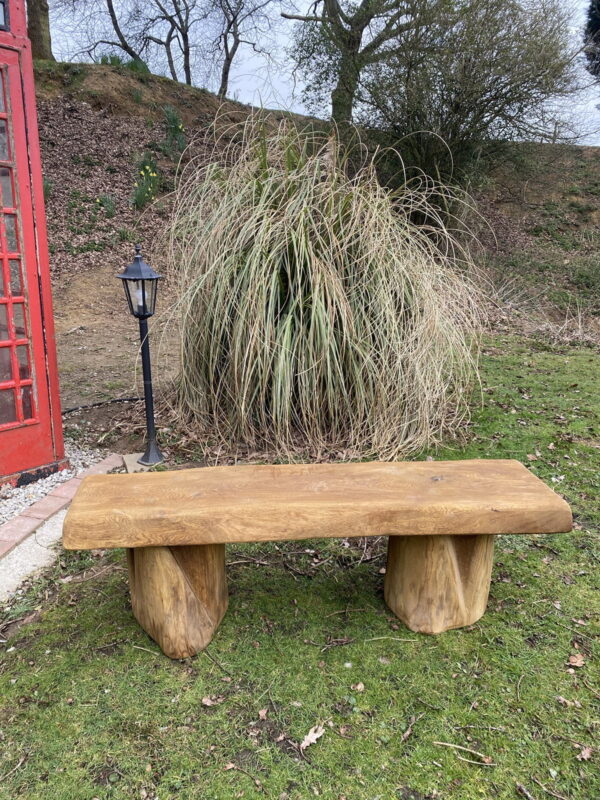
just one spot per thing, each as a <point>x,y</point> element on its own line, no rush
<point>219,505</point>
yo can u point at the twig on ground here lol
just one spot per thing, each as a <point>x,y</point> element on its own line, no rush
<point>479,763</point>
<point>345,611</point>
<point>523,791</point>
<point>214,660</point>
<point>393,638</point>
<point>483,727</point>
<point>591,688</point>
<point>482,756</point>
<point>549,791</point>
<point>22,760</point>
<point>137,647</point>
<point>248,561</point>
<point>409,730</point>
<point>517,693</point>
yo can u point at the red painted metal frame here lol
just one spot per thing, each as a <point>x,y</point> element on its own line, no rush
<point>37,443</point>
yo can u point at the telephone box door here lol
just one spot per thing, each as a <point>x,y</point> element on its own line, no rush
<point>28,438</point>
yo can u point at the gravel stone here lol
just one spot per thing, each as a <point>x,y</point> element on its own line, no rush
<point>15,500</point>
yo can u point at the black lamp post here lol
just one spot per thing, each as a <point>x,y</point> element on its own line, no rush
<point>140,283</point>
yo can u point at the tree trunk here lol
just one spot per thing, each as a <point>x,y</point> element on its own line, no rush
<point>227,62</point>
<point>38,29</point>
<point>342,97</point>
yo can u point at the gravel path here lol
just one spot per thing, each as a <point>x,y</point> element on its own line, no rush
<point>14,500</point>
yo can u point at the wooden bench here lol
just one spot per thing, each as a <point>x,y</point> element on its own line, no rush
<point>441,519</point>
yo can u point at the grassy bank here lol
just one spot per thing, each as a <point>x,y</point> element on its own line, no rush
<point>89,707</point>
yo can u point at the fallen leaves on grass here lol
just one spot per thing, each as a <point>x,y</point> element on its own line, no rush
<point>585,754</point>
<point>568,703</point>
<point>311,737</point>
<point>576,660</point>
<point>212,700</point>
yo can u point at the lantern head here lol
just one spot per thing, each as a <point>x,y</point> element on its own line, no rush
<point>140,282</point>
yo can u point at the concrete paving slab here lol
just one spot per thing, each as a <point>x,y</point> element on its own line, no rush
<point>131,463</point>
<point>39,550</point>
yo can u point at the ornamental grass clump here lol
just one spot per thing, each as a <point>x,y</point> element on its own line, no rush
<point>314,313</point>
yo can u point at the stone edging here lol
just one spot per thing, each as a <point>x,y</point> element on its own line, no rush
<point>20,527</point>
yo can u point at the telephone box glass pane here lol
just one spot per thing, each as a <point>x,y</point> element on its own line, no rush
<point>8,407</point>
<point>16,279</point>
<point>27,400</point>
<point>3,323</point>
<point>10,226</point>
<point>3,140</point>
<point>19,321</point>
<point>23,359</point>
<point>8,200</point>
<point>3,293</point>
<point>5,365</point>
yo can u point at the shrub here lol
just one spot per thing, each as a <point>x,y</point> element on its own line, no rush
<point>112,59</point>
<point>107,202</point>
<point>148,182</point>
<point>314,313</point>
<point>175,134</point>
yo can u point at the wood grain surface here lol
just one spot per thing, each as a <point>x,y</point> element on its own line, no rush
<point>435,583</point>
<point>217,505</point>
<point>178,595</point>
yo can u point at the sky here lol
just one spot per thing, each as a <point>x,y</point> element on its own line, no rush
<point>258,82</point>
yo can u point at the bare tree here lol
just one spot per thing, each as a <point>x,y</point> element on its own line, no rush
<point>158,32</point>
<point>183,38</point>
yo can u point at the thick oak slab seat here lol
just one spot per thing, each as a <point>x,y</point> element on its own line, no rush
<point>441,519</point>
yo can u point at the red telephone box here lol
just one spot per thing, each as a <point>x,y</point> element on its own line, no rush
<point>31,441</point>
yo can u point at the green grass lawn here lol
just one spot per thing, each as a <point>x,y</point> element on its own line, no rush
<point>89,708</point>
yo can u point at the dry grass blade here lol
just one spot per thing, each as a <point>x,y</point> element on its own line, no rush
<point>314,312</point>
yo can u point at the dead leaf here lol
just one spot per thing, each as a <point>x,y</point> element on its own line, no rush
<point>231,765</point>
<point>358,687</point>
<point>568,703</point>
<point>577,660</point>
<point>262,714</point>
<point>311,737</point>
<point>551,446</point>
<point>531,457</point>
<point>212,701</point>
<point>585,754</point>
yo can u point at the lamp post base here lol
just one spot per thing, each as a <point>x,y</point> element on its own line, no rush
<point>152,455</point>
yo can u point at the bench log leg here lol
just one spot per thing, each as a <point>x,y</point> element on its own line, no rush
<point>435,583</point>
<point>178,594</point>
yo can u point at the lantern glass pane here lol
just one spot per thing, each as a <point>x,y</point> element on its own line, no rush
<point>8,407</point>
<point>5,365</point>
<point>151,295</point>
